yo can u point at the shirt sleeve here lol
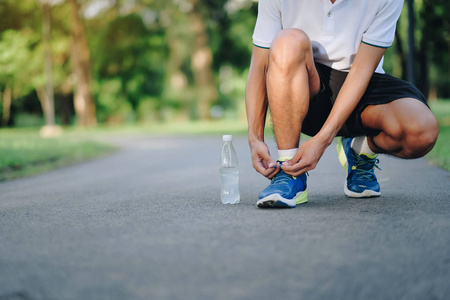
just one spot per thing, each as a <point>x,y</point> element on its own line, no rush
<point>381,32</point>
<point>268,23</point>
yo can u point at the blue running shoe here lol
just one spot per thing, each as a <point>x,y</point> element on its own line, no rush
<point>361,180</point>
<point>285,191</point>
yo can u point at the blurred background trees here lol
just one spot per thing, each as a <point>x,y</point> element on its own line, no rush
<point>127,61</point>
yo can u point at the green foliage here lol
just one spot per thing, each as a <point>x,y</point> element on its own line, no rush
<point>131,68</point>
<point>20,60</point>
<point>440,155</point>
<point>20,53</point>
<point>436,34</point>
<point>111,105</point>
<point>22,56</point>
<point>236,37</point>
<point>18,15</point>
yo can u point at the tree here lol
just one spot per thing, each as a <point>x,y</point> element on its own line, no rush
<point>20,53</point>
<point>201,62</point>
<point>176,90</point>
<point>47,97</point>
<point>83,101</point>
<point>130,74</point>
<point>435,44</point>
<point>21,62</point>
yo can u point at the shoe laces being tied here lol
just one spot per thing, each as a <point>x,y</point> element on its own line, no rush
<point>364,167</point>
<point>282,178</point>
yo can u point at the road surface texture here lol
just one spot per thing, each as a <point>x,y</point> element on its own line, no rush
<point>147,223</point>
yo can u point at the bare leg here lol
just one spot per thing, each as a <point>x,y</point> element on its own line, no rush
<point>408,128</point>
<point>291,79</point>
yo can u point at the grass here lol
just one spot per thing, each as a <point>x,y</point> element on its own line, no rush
<point>440,155</point>
<point>23,152</point>
<point>214,127</point>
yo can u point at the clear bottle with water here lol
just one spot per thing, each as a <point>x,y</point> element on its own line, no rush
<point>229,172</point>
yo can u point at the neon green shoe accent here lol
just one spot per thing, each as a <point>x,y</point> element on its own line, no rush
<point>341,154</point>
<point>343,158</point>
<point>303,198</point>
<point>370,156</point>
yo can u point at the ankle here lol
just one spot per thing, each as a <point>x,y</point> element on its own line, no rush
<point>361,146</point>
<point>287,154</point>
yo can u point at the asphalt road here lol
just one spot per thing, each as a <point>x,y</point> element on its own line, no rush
<point>147,223</point>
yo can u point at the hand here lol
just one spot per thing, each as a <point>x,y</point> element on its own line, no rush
<point>306,158</point>
<point>262,162</point>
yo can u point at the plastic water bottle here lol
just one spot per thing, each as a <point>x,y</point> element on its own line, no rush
<point>229,172</point>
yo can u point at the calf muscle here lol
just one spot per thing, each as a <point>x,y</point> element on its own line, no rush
<point>408,128</point>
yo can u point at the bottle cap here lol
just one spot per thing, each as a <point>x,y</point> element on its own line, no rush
<point>227,138</point>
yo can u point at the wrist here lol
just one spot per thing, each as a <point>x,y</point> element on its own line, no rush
<point>253,138</point>
<point>326,136</point>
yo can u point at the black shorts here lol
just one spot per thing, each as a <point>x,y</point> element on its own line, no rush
<point>382,89</point>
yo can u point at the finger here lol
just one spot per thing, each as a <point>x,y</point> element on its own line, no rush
<point>298,173</point>
<point>297,169</point>
<point>295,159</point>
<point>274,172</point>
<point>262,168</point>
<point>270,163</point>
<point>264,164</point>
<point>271,172</point>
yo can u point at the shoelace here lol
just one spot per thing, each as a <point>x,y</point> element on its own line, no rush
<point>364,167</point>
<point>282,178</point>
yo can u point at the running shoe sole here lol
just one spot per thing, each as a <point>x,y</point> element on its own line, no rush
<point>364,194</point>
<point>277,201</point>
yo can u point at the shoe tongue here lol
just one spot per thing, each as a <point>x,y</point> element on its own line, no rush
<point>282,176</point>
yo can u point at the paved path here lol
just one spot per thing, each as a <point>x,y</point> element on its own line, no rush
<point>147,223</point>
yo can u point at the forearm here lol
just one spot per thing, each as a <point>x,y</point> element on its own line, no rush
<point>255,96</point>
<point>347,100</point>
<point>256,106</point>
<point>352,90</point>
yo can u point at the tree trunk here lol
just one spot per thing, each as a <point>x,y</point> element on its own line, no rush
<point>401,53</point>
<point>201,63</point>
<point>48,106</point>
<point>423,78</point>
<point>7,99</point>
<point>43,99</point>
<point>411,43</point>
<point>176,79</point>
<point>83,101</point>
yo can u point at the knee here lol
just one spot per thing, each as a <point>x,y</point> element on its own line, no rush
<point>289,49</point>
<point>420,135</point>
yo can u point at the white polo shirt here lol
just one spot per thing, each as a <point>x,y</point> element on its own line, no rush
<point>335,30</point>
